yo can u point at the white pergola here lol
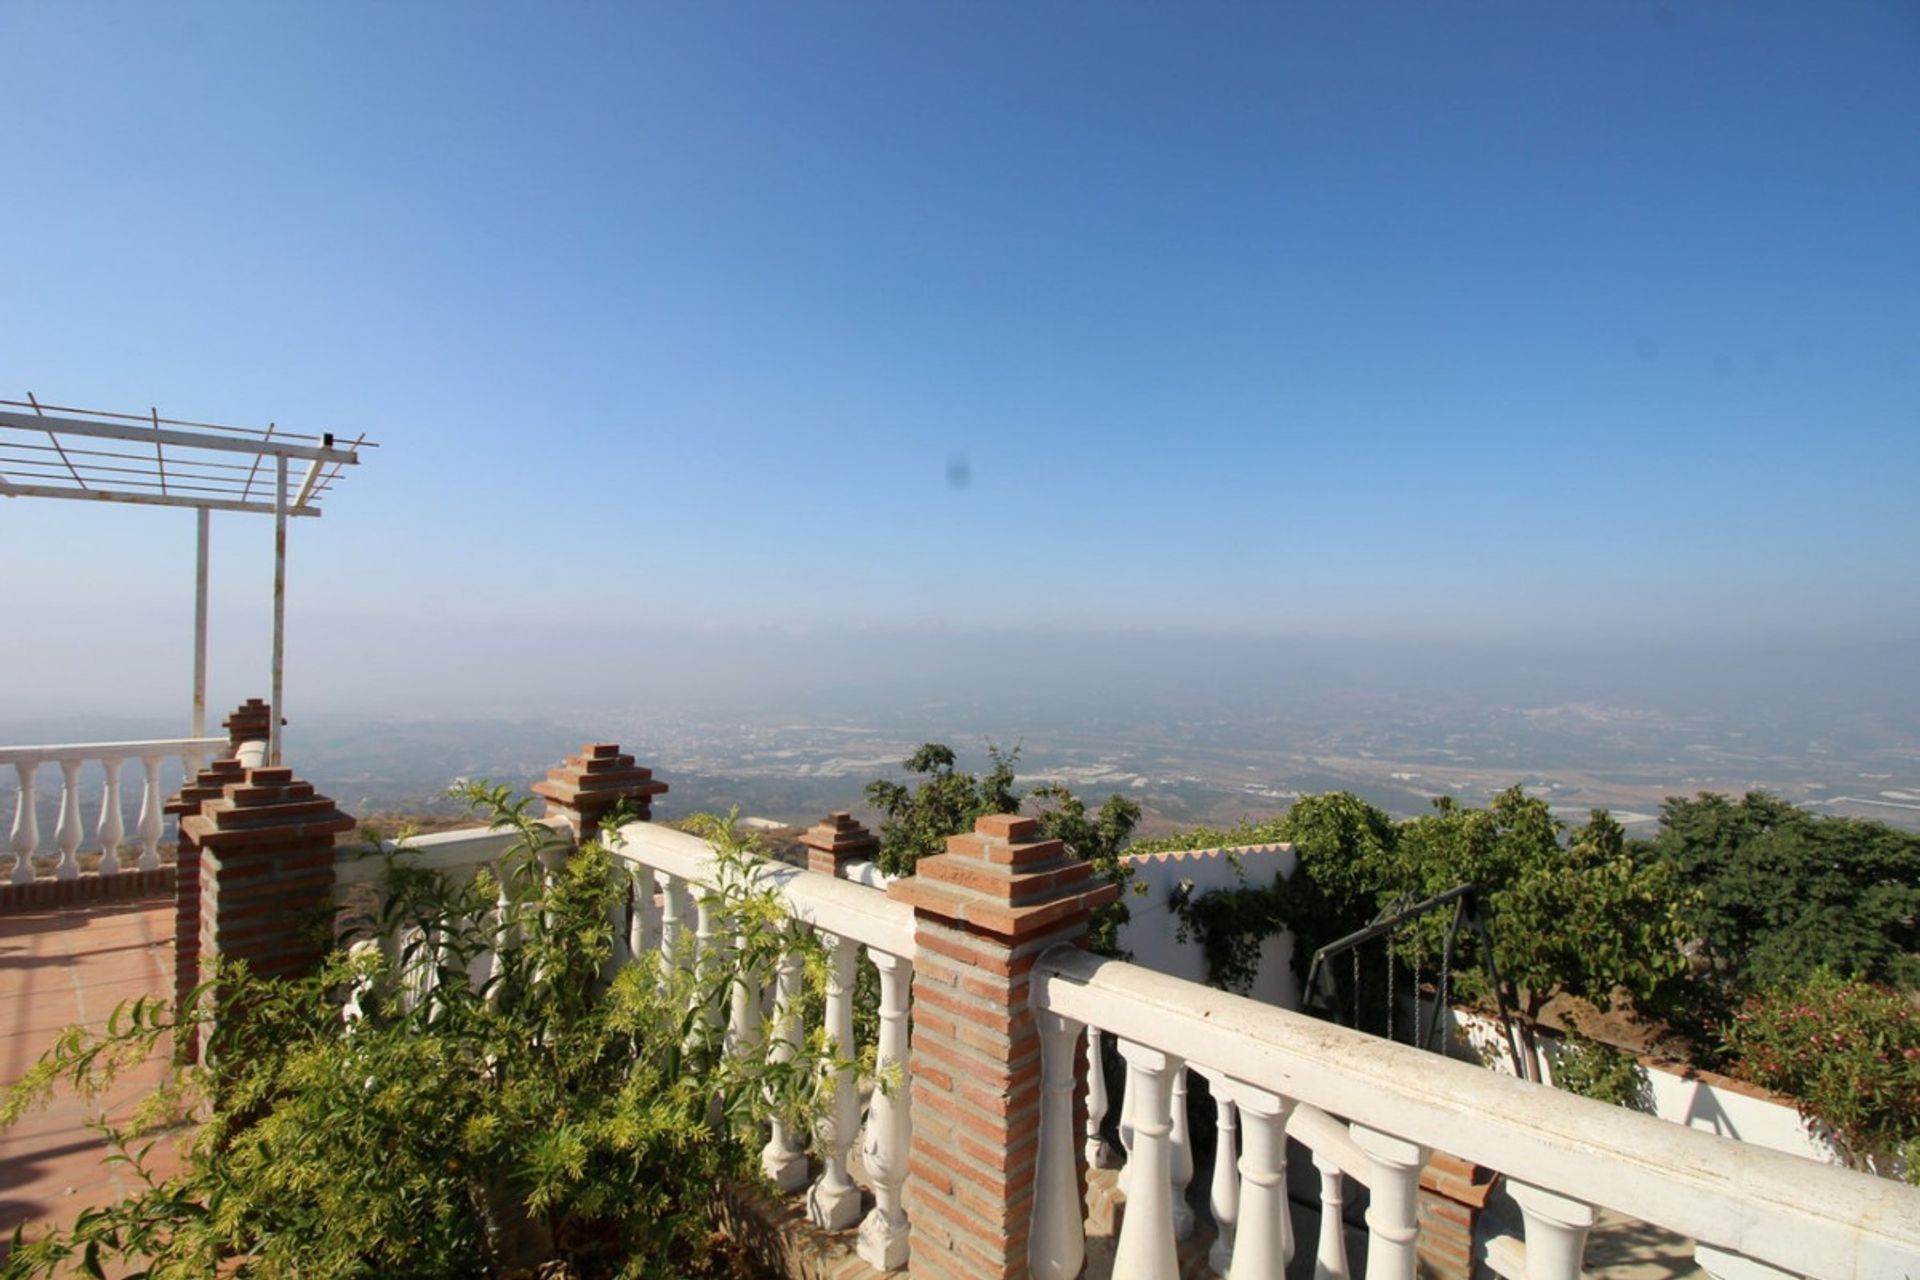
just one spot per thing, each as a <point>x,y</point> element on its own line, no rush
<point>55,451</point>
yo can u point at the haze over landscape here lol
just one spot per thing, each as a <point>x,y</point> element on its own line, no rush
<point>1222,404</point>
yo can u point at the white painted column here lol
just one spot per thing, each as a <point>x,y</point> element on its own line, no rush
<point>113,827</point>
<point>1556,1231</point>
<point>66,833</point>
<point>1224,1193</point>
<point>1146,1249</point>
<point>1263,1236</point>
<point>279,607</point>
<point>884,1233</point>
<point>645,921</point>
<point>783,1159</point>
<point>200,525</point>
<point>152,812</point>
<point>26,826</point>
<point>1057,1247</point>
<point>1100,1153</point>
<point>1330,1261</point>
<point>1180,1157</point>
<point>833,1202</point>
<point>1393,1187</point>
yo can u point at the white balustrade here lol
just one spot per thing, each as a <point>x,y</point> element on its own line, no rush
<point>883,1235</point>
<point>1755,1212</point>
<point>69,832</point>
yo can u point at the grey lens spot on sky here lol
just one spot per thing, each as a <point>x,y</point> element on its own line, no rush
<point>959,471</point>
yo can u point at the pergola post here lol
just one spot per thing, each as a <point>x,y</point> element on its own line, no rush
<point>279,606</point>
<point>202,519</point>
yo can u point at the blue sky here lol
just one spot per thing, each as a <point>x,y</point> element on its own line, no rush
<point>1463,322</point>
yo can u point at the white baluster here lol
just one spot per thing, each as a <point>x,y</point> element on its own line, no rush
<point>618,906</point>
<point>834,1200</point>
<point>1126,1132</point>
<point>1263,1235</point>
<point>1057,1244</point>
<point>26,826</point>
<point>782,1159</point>
<point>672,922</point>
<point>112,826</point>
<point>66,835</point>
<point>1330,1262</point>
<point>1556,1231</point>
<point>152,813</point>
<point>1393,1186</point>
<point>708,961</point>
<point>1224,1193</point>
<point>645,921</point>
<point>884,1233</point>
<point>1146,1249</point>
<point>743,1013</point>
<point>1100,1153</point>
<point>1180,1162</point>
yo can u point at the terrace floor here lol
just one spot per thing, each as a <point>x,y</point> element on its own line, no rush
<point>60,967</point>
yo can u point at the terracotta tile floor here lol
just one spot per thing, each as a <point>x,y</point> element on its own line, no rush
<point>60,967</point>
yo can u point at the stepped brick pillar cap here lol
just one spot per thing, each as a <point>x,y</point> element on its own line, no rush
<point>209,784</point>
<point>1000,880</point>
<point>837,840</point>
<point>589,784</point>
<point>251,721</point>
<point>265,808</point>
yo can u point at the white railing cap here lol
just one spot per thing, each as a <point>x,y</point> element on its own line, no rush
<point>111,750</point>
<point>440,851</point>
<point>1814,1219</point>
<point>867,916</point>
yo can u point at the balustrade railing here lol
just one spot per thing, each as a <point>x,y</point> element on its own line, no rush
<point>1278,1074</point>
<point>1369,1113</point>
<point>110,833</point>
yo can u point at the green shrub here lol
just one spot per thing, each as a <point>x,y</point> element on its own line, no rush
<point>389,1117</point>
<point>1599,1071</point>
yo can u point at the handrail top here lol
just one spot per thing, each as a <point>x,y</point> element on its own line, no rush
<point>437,851</point>
<point>108,750</point>
<point>839,907</point>
<point>1814,1219</point>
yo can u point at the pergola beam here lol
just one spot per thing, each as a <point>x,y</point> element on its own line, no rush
<point>11,490</point>
<point>256,446</point>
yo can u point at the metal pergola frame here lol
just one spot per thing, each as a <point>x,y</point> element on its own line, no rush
<point>56,451</point>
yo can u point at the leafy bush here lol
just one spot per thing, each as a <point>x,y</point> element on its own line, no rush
<point>1597,1070</point>
<point>1849,1053</point>
<point>391,1116</point>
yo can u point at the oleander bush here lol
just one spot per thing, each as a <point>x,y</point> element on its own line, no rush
<point>390,1116</point>
<point>1848,1051</point>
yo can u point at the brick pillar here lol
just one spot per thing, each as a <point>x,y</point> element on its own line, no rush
<point>209,784</point>
<point>251,721</point>
<point>1452,1194</point>
<point>837,840</point>
<point>984,911</point>
<point>266,854</point>
<point>582,789</point>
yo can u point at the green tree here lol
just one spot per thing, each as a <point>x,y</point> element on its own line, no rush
<point>917,820</point>
<point>1784,893</point>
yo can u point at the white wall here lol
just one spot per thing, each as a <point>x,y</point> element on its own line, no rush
<point>1152,933</point>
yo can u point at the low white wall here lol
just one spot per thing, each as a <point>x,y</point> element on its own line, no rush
<point>1152,934</point>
